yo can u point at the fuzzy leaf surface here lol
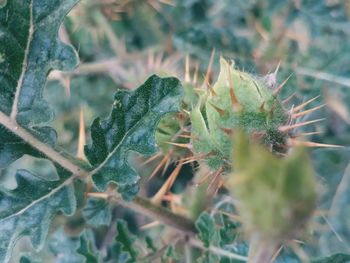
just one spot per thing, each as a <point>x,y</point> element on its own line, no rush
<point>130,127</point>
<point>28,209</point>
<point>207,232</point>
<point>97,212</point>
<point>29,50</point>
<point>67,249</point>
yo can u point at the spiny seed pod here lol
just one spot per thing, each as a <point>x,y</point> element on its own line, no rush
<point>237,100</point>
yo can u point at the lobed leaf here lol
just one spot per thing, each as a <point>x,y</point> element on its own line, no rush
<point>28,209</point>
<point>127,240</point>
<point>72,249</point>
<point>130,127</point>
<point>207,231</point>
<point>97,212</point>
<point>29,49</point>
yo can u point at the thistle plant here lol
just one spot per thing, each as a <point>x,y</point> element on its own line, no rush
<point>204,132</point>
<point>238,135</point>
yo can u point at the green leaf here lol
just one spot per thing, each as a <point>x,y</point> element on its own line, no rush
<point>87,249</point>
<point>68,249</point>
<point>208,257</point>
<point>73,249</point>
<point>28,209</point>
<point>127,240</point>
<point>170,255</point>
<point>336,258</point>
<point>150,244</point>
<point>97,212</point>
<point>13,147</point>
<point>64,248</point>
<point>130,127</point>
<point>207,232</point>
<point>29,50</point>
<point>28,259</point>
<point>276,195</point>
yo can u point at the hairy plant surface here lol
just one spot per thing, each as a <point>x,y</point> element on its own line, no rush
<point>211,158</point>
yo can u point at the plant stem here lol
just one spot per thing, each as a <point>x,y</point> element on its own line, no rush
<point>156,212</point>
<point>216,250</point>
<point>138,204</point>
<point>48,151</point>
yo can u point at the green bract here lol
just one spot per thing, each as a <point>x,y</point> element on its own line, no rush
<point>277,195</point>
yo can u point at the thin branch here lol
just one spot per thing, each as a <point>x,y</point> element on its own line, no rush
<point>185,225</point>
<point>159,213</point>
<point>138,204</point>
<point>26,136</point>
<point>216,250</point>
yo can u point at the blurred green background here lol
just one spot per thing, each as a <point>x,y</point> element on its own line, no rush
<point>122,42</point>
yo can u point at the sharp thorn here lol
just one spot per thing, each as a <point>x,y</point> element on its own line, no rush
<point>313,144</point>
<point>258,135</point>
<point>234,100</point>
<point>188,136</point>
<point>277,68</point>
<point>261,108</point>
<point>194,158</point>
<point>285,101</point>
<point>82,136</point>
<point>181,145</point>
<point>299,107</point>
<point>157,198</point>
<point>308,133</point>
<point>202,180</point>
<point>227,131</point>
<point>303,113</point>
<point>210,87</point>
<point>149,225</point>
<point>220,111</point>
<point>165,167</point>
<point>214,182</point>
<point>233,216</point>
<point>211,60</point>
<point>195,75</point>
<point>279,88</point>
<point>152,158</point>
<point>287,128</point>
<point>187,69</point>
<point>160,165</point>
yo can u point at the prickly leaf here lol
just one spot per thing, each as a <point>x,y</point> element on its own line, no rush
<point>28,209</point>
<point>130,127</point>
<point>29,49</point>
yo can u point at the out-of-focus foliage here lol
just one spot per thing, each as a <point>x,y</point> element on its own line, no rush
<point>121,43</point>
